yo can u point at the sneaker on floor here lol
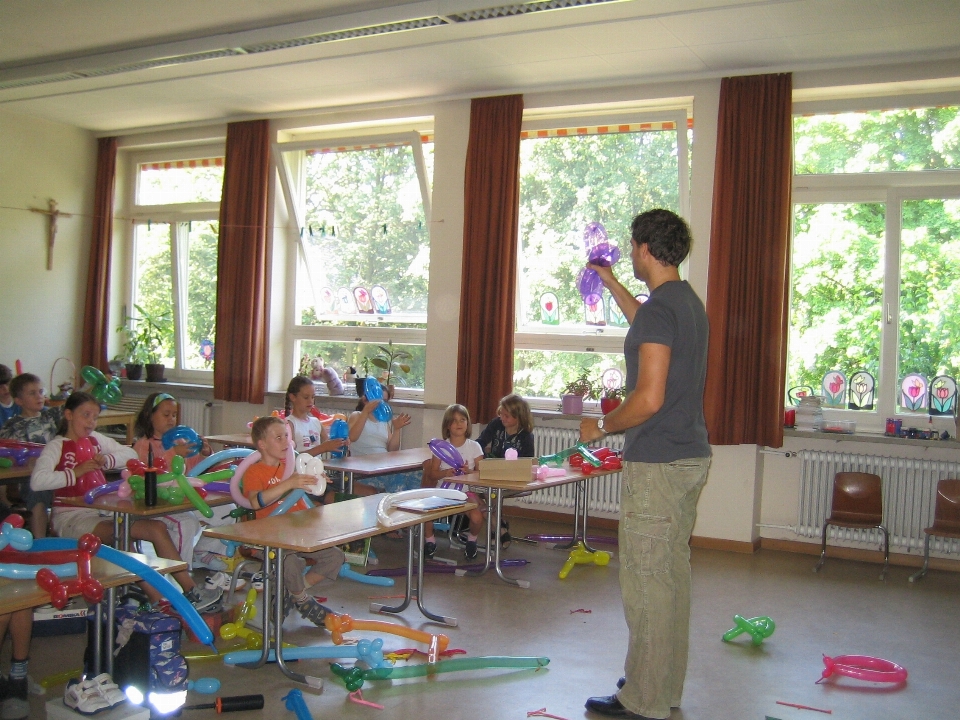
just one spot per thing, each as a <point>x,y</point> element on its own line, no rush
<point>15,704</point>
<point>256,581</point>
<point>429,548</point>
<point>107,688</point>
<point>209,560</point>
<point>313,611</point>
<point>204,600</point>
<point>470,549</point>
<point>84,698</point>
<point>222,580</point>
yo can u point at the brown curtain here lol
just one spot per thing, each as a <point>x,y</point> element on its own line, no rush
<point>490,218</point>
<point>96,311</point>
<point>748,288</point>
<point>239,372</point>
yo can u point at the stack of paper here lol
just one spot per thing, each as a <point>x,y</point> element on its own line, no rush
<point>809,414</point>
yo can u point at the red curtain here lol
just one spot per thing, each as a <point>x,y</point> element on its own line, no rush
<point>240,368</point>
<point>490,224</point>
<point>749,274</point>
<point>96,311</point>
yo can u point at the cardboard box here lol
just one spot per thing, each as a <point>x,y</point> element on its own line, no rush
<point>72,620</point>
<point>513,471</point>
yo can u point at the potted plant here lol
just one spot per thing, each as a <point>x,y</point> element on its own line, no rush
<point>134,353</point>
<point>612,397</point>
<point>361,380</point>
<point>571,401</point>
<point>391,360</point>
<point>143,344</point>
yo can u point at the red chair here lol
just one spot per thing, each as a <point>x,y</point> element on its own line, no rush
<point>857,503</point>
<point>946,520</point>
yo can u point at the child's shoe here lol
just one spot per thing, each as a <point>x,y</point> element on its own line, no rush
<point>108,689</point>
<point>15,704</point>
<point>429,548</point>
<point>84,697</point>
<point>313,611</point>
<point>222,580</point>
<point>470,549</point>
<point>204,600</point>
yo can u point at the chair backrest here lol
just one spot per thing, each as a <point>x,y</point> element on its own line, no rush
<point>947,511</point>
<point>857,497</point>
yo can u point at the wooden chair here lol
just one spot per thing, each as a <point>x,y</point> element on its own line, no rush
<point>857,503</point>
<point>946,520</point>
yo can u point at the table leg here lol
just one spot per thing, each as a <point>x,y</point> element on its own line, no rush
<point>278,618</point>
<point>97,640</point>
<point>265,598</point>
<point>486,551</point>
<point>408,593</point>
<point>586,513</point>
<point>350,483</point>
<point>111,628</point>
<point>496,544</point>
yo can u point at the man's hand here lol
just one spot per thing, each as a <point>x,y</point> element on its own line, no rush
<point>605,272</point>
<point>589,430</point>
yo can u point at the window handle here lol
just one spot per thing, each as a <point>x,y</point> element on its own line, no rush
<point>889,315</point>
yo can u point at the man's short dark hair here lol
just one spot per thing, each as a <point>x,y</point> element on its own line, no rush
<point>666,234</point>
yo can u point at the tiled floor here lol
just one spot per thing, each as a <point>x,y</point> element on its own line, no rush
<point>843,610</point>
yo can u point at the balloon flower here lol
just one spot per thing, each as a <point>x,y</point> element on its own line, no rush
<point>444,451</point>
<point>105,391</point>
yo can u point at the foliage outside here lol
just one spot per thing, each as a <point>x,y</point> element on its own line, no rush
<point>341,355</point>
<point>839,253</point>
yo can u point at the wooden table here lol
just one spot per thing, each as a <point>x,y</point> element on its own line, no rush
<point>13,475</point>
<point>496,490</point>
<point>25,594</point>
<point>234,440</point>
<point>123,509</point>
<point>379,464</point>
<point>318,528</point>
<point>118,417</point>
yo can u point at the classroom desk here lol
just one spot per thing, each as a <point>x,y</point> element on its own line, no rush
<point>126,418</point>
<point>379,464</point>
<point>234,440</point>
<point>315,529</point>
<point>24,594</point>
<point>13,475</point>
<point>124,509</point>
<point>495,491</point>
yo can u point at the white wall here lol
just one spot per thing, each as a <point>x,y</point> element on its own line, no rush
<point>40,310</point>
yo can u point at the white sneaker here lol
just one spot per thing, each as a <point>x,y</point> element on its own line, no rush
<point>108,689</point>
<point>222,580</point>
<point>204,600</point>
<point>85,698</point>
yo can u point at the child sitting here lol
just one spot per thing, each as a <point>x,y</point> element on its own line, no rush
<point>308,434</point>
<point>456,428</point>
<point>58,469</point>
<point>8,407</point>
<point>157,417</point>
<point>35,424</point>
<point>263,486</point>
<point>512,428</point>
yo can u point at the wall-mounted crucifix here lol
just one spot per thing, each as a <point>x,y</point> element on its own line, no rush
<point>54,215</point>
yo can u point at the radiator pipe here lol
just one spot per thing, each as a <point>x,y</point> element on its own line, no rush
<point>792,528</point>
<point>785,453</point>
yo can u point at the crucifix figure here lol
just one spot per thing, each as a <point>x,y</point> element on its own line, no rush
<point>53,214</point>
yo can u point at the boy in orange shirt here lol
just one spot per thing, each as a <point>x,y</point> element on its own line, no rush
<point>263,486</point>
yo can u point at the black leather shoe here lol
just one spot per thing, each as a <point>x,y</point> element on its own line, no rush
<point>621,682</point>
<point>611,707</point>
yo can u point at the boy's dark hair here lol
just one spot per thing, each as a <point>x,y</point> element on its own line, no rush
<point>260,425</point>
<point>76,399</point>
<point>21,381</point>
<point>5,375</point>
<point>665,233</point>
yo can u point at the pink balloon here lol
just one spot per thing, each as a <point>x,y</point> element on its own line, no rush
<point>864,667</point>
<point>124,491</point>
<point>446,452</point>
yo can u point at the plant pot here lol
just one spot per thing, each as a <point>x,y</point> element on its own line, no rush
<point>608,404</point>
<point>155,372</point>
<point>571,404</point>
<point>134,371</point>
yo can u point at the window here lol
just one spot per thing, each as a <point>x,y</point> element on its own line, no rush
<point>876,254</point>
<point>173,268</point>
<point>573,175</point>
<point>363,250</point>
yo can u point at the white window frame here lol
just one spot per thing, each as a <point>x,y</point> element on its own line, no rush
<point>177,215</point>
<point>602,339</point>
<point>890,188</point>
<point>293,185</point>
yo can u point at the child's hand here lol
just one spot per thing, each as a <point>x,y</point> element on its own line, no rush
<point>371,405</point>
<point>90,465</point>
<point>301,482</point>
<point>182,448</point>
<point>401,421</point>
<point>205,448</point>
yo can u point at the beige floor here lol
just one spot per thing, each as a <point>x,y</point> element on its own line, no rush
<point>843,610</point>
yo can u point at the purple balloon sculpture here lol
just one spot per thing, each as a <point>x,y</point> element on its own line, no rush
<point>599,252</point>
<point>446,452</point>
<point>594,234</point>
<point>590,286</point>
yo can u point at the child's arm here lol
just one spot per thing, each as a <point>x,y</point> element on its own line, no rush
<point>358,420</point>
<point>396,425</point>
<point>112,453</point>
<point>487,435</point>
<point>268,496</point>
<point>526,445</point>
<point>433,475</point>
<point>45,476</point>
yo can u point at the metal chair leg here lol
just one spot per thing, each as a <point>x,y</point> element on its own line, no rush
<point>886,552</point>
<point>823,549</point>
<point>919,575</point>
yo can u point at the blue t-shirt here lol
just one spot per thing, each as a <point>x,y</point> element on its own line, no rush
<point>8,411</point>
<point>673,316</point>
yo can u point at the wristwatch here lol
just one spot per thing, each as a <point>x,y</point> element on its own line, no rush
<point>600,424</point>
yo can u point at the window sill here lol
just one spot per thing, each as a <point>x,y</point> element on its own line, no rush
<point>864,437</point>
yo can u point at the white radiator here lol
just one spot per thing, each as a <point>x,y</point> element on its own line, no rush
<point>604,492</point>
<point>909,494</point>
<point>195,414</point>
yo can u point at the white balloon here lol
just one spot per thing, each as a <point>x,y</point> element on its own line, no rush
<point>310,465</point>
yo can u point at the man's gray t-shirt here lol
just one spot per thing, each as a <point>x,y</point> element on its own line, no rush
<point>673,316</point>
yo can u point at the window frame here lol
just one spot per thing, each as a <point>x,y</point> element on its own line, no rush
<point>176,215</point>
<point>293,186</point>
<point>599,339</point>
<point>891,189</point>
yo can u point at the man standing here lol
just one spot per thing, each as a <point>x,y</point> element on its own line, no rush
<point>666,457</point>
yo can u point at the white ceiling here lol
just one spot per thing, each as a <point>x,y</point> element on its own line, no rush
<point>611,43</point>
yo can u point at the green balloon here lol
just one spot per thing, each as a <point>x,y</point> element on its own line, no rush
<point>349,675</point>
